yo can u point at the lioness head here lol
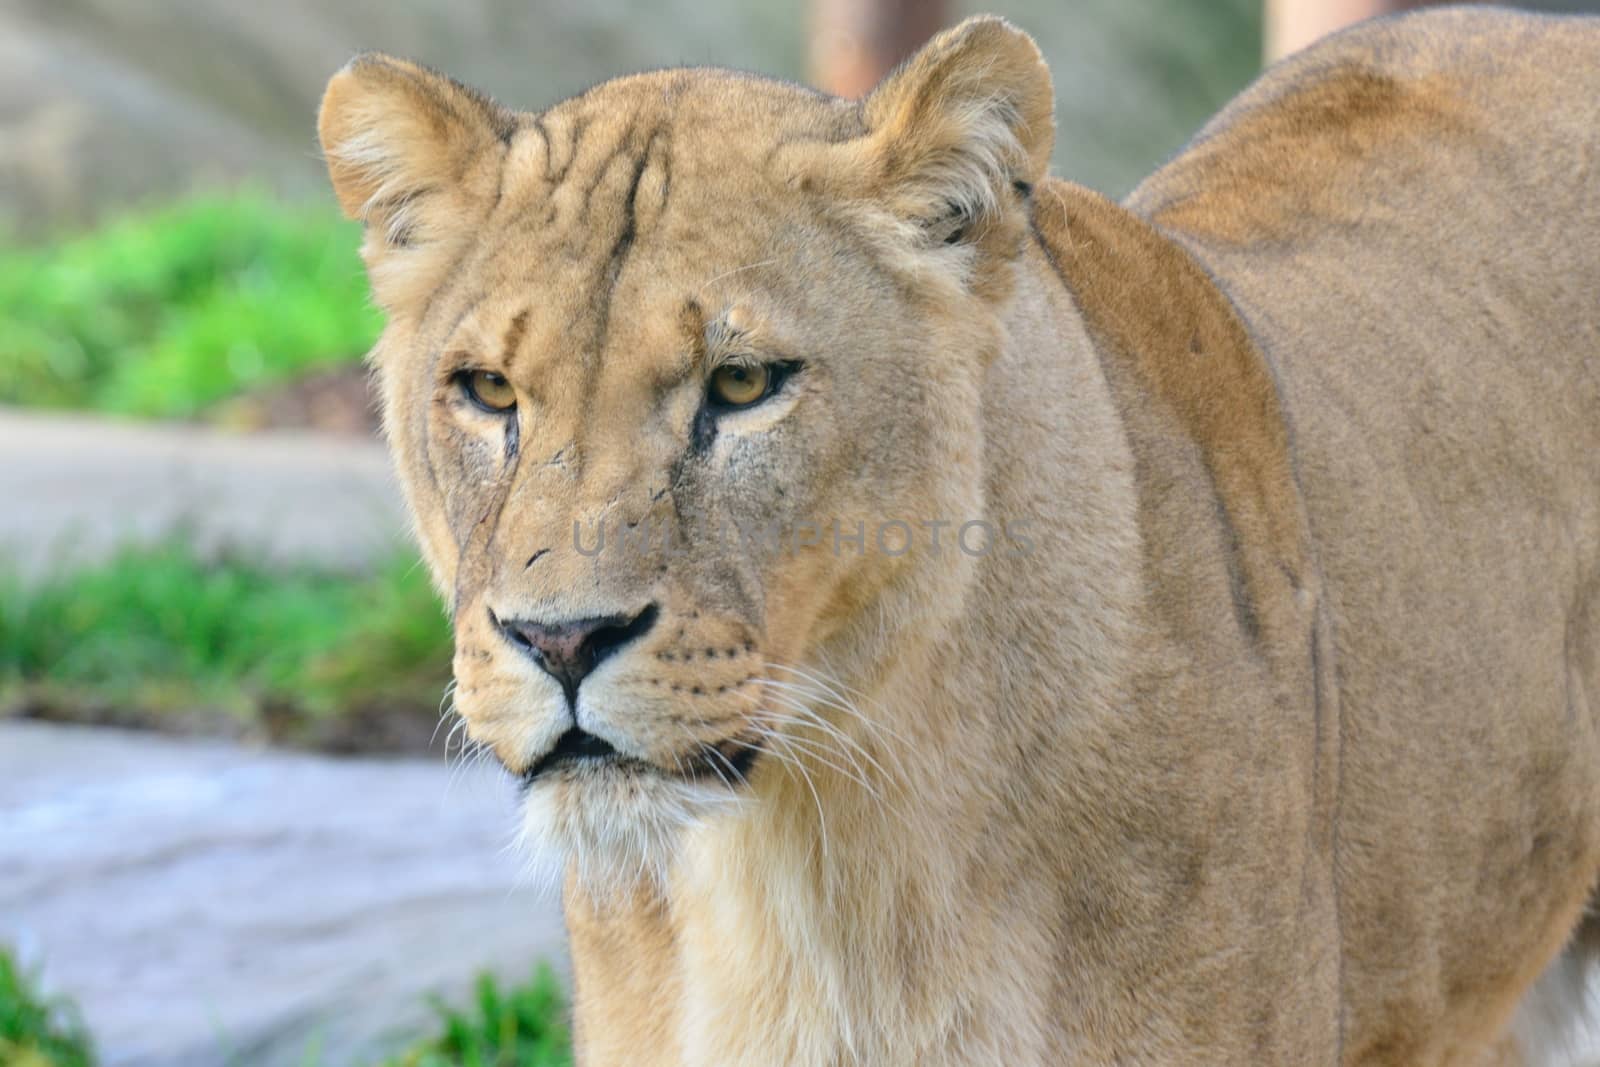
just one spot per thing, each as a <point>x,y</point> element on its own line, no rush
<point>676,374</point>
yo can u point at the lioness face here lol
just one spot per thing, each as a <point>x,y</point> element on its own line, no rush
<point>666,367</point>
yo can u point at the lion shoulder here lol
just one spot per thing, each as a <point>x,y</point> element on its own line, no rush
<point>1182,364</point>
<point>1440,95</point>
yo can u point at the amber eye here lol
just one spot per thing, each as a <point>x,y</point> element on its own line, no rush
<point>489,391</point>
<point>739,386</point>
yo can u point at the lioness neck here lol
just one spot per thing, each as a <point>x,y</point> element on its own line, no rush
<point>853,913</point>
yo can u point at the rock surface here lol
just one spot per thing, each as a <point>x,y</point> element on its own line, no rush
<point>110,102</point>
<point>75,488</point>
<point>209,904</point>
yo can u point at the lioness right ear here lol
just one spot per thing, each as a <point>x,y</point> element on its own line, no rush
<point>416,157</point>
<point>956,138</point>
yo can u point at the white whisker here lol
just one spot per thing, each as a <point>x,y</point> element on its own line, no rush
<point>820,755</point>
<point>799,698</point>
<point>738,270</point>
<point>808,718</point>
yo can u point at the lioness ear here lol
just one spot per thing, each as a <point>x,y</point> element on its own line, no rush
<point>959,134</point>
<point>416,157</point>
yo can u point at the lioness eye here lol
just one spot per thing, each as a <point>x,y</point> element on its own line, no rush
<point>739,387</point>
<point>489,391</point>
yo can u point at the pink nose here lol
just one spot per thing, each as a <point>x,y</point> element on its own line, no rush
<point>570,650</point>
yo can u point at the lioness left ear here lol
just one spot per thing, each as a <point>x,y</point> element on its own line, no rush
<point>415,156</point>
<point>957,136</point>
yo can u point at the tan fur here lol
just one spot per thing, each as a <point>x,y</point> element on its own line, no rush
<point>1271,739</point>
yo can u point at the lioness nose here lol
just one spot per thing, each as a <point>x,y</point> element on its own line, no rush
<point>569,650</point>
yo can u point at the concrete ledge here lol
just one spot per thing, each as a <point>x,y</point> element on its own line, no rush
<point>74,488</point>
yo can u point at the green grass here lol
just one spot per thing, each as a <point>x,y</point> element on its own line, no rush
<point>155,630</point>
<point>36,1031</point>
<point>524,1026</point>
<point>168,311</point>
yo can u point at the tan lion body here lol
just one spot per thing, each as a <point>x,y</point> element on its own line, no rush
<point>1278,747</point>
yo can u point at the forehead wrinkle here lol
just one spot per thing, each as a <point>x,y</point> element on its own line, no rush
<point>692,327</point>
<point>678,361</point>
<point>516,332</point>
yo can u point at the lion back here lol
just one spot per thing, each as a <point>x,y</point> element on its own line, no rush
<point>1407,218</point>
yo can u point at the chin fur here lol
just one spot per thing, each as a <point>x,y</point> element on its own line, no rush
<point>608,830</point>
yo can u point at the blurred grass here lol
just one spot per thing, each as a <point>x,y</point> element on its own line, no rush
<point>167,311</point>
<point>156,630</point>
<point>522,1026</point>
<point>36,1031</point>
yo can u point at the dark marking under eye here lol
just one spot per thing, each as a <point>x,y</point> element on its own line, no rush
<point>704,431</point>
<point>536,557</point>
<point>513,434</point>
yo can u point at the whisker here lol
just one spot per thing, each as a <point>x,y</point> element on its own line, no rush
<point>717,752</point>
<point>738,270</point>
<point>830,699</point>
<point>829,733</point>
<point>782,694</point>
<point>845,696</point>
<point>822,818</point>
<point>820,755</point>
<point>446,706</point>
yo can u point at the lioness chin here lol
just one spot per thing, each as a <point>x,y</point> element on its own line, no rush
<point>945,617</point>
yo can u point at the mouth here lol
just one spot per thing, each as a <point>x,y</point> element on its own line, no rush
<point>576,747</point>
<point>730,761</point>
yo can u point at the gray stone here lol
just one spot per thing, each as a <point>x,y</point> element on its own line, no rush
<point>210,904</point>
<point>74,489</point>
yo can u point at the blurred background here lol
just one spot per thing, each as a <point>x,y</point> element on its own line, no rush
<point>235,823</point>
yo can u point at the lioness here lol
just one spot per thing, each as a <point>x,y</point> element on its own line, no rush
<point>1245,712</point>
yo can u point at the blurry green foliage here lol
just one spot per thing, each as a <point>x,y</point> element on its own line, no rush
<point>157,629</point>
<point>523,1026</point>
<point>36,1031</point>
<point>165,312</point>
